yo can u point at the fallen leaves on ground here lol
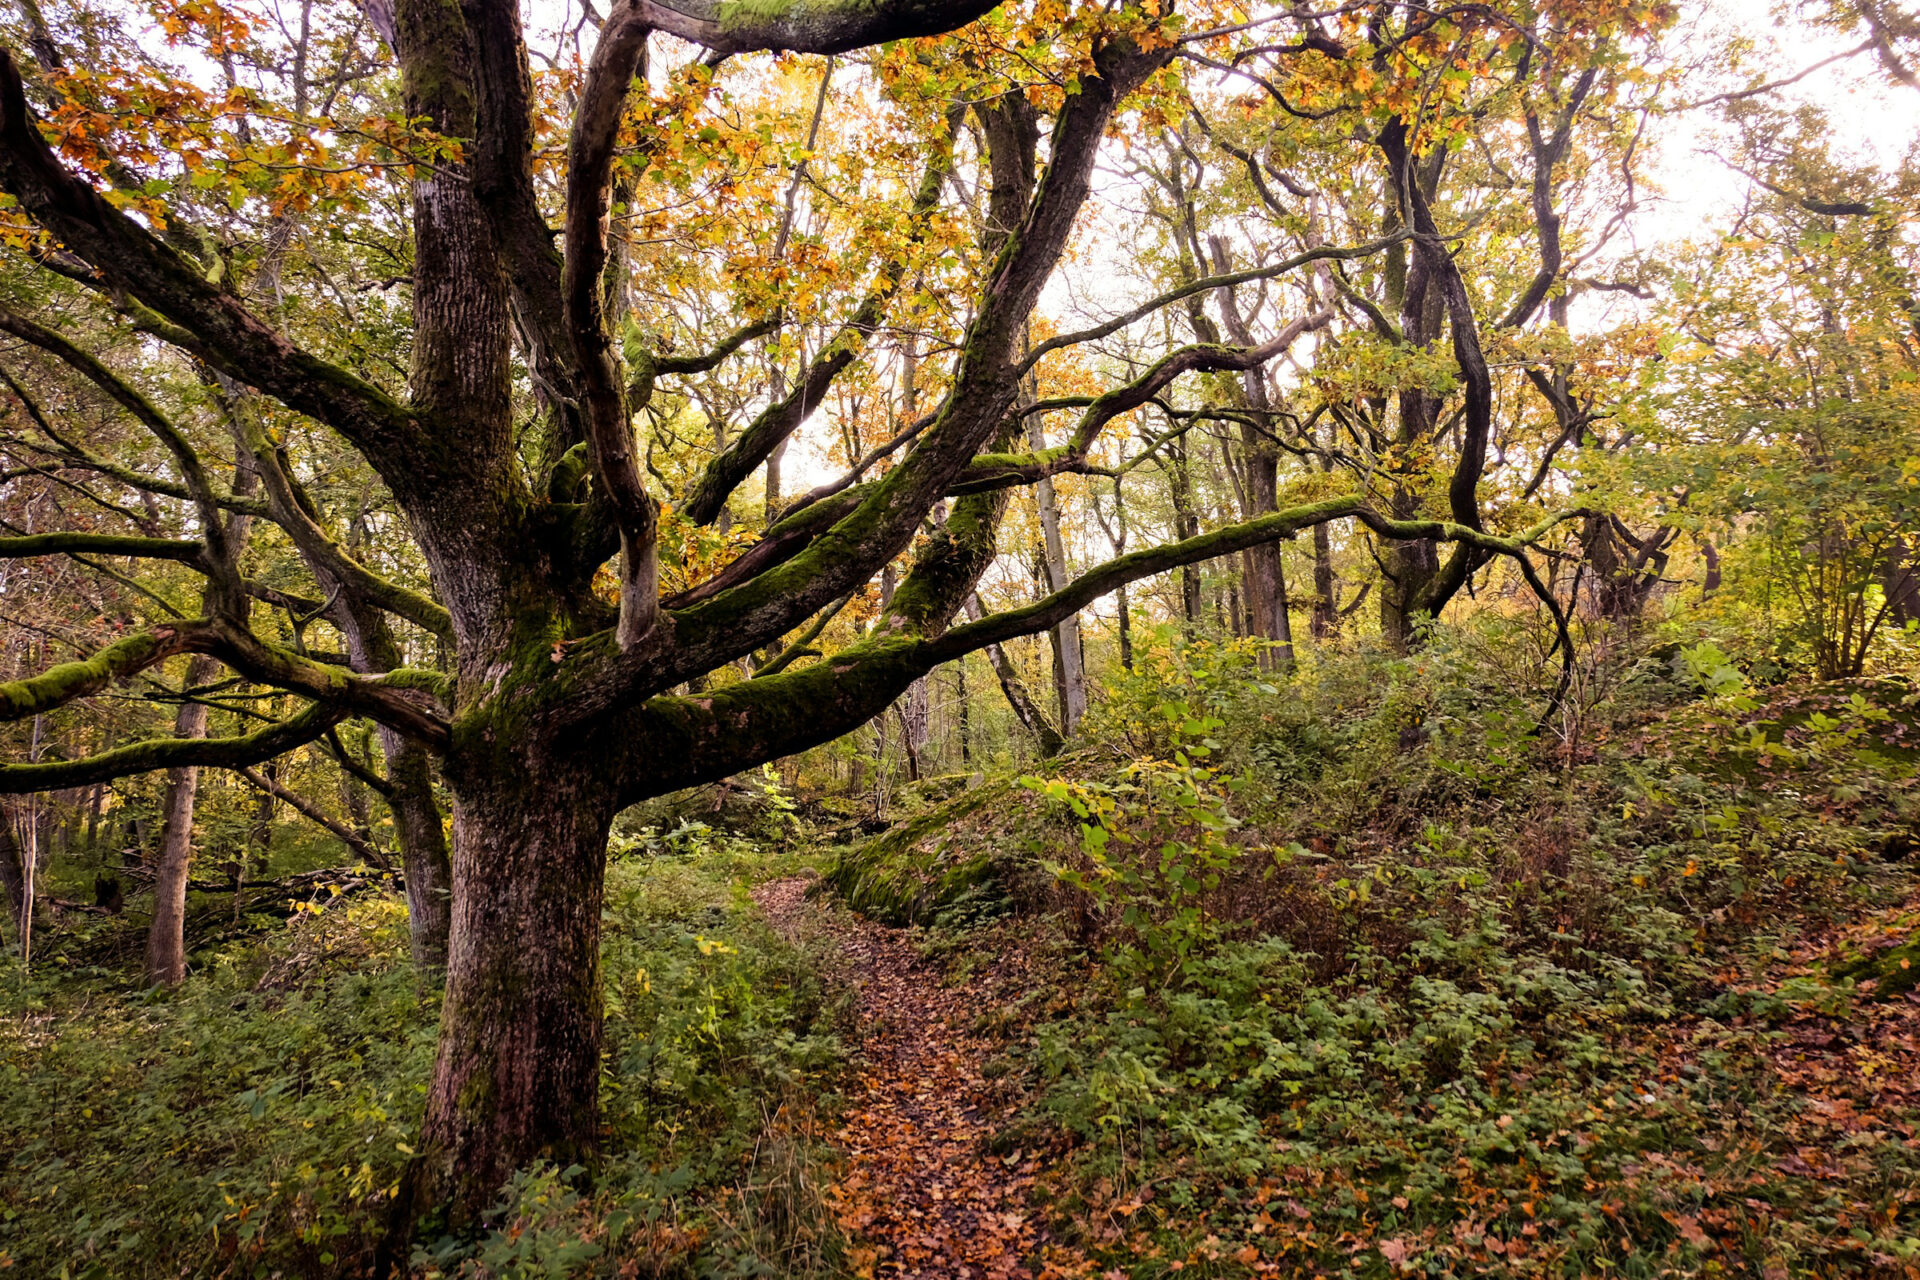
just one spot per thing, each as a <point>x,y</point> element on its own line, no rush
<point>920,1192</point>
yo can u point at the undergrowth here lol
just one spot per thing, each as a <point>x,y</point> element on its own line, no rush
<point>1376,971</point>
<point>256,1121</point>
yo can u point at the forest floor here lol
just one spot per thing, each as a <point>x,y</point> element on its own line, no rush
<point>918,1188</point>
<point>923,1190</point>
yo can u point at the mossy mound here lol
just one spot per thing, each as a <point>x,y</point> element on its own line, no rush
<point>959,857</point>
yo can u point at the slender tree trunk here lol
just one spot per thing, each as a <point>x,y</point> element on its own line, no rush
<point>1185,526</point>
<point>774,461</point>
<point>962,714</point>
<point>1282,617</point>
<point>1326,614</point>
<point>1070,677</point>
<point>1900,579</point>
<point>353,798</point>
<point>1046,738</point>
<point>96,805</point>
<point>425,864</point>
<point>261,835</point>
<point>166,937</point>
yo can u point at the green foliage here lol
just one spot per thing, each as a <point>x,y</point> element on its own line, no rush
<point>1153,849</point>
<point>1457,1006</point>
<point>254,1122</point>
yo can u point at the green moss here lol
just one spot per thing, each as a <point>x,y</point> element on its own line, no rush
<point>1894,971</point>
<point>70,680</point>
<point>910,874</point>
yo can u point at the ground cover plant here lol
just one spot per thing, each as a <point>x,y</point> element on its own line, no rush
<point>958,639</point>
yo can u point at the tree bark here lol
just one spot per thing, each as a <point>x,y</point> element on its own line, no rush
<point>1266,594</point>
<point>1326,615</point>
<point>1185,526</point>
<point>517,1075</point>
<point>166,936</point>
<point>1046,738</point>
<point>425,864</point>
<point>13,878</point>
<point>1070,677</point>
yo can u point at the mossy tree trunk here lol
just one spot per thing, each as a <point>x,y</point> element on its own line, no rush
<point>517,1074</point>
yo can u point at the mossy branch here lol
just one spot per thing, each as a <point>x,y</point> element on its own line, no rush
<point>59,685</point>
<point>171,753</point>
<point>805,26</point>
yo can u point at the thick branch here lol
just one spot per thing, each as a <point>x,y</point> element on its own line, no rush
<point>596,127</point>
<point>325,555</point>
<point>807,26</point>
<point>708,359</point>
<point>59,685</point>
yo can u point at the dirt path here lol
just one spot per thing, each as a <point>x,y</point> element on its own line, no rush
<point>919,1189</point>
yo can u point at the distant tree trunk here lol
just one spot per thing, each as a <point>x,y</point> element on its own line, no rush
<point>1900,579</point>
<point>261,834</point>
<point>96,806</point>
<point>353,798</point>
<point>1185,525</point>
<point>1623,570</point>
<point>424,860</point>
<point>166,937</point>
<point>1325,623</point>
<point>1259,491</point>
<point>1070,679</point>
<point>774,461</point>
<point>1046,738</point>
<point>13,878</point>
<point>963,718</point>
<point>1117,539</point>
<point>913,729</point>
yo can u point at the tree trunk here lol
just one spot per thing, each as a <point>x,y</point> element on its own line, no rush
<point>914,717</point>
<point>13,878</point>
<point>261,835</point>
<point>166,937</point>
<point>1070,677</point>
<point>1900,579</point>
<point>517,1077</point>
<point>1185,526</point>
<point>1046,738</point>
<point>962,714</point>
<point>424,862</point>
<point>1326,614</point>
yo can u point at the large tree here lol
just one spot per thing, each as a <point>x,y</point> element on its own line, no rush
<point>558,701</point>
